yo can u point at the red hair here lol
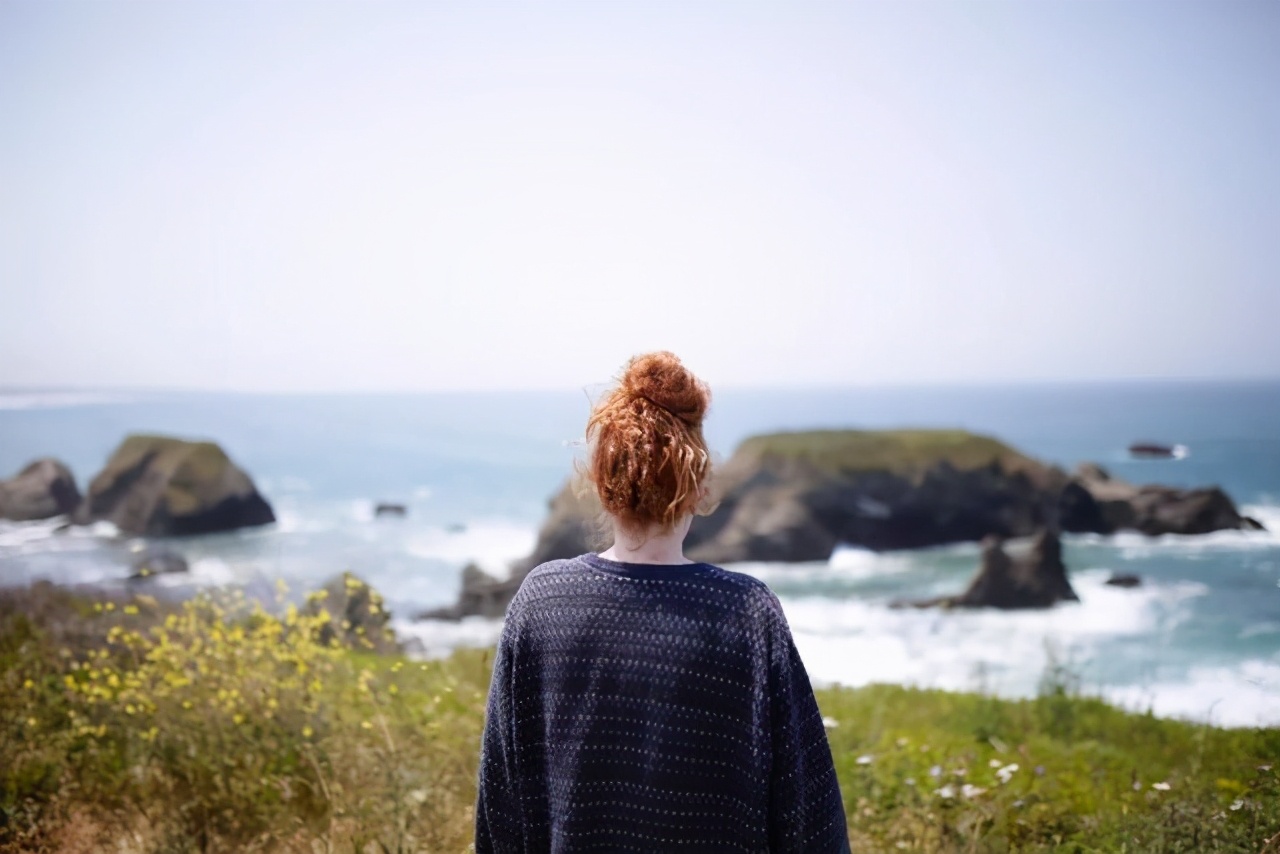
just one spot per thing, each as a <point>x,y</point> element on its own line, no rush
<point>648,458</point>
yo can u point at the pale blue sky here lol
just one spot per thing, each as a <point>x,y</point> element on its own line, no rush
<point>413,196</point>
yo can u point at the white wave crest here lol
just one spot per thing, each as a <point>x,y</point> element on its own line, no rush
<point>858,642</point>
<point>1246,694</point>
<point>492,544</point>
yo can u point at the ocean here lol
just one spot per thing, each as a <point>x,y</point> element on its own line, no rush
<point>1200,639</point>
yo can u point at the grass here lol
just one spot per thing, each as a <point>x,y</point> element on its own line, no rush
<point>127,725</point>
<point>896,451</point>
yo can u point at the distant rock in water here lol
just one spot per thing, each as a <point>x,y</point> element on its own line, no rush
<point>43,489</point>
<point>1156,451</point>
<point>387,508</point>
<point>160,486</point>
<point>1124,579</point>
<point>1095,502</point>
<point>158,562</point>
<point>1037,579</point>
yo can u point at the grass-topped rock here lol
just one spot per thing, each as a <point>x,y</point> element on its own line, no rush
<point>795,496</point>
<point>161,486</point>
<point>902,452</point>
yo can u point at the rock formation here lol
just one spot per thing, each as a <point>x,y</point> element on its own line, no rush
<point>1095,502</point>
<point>159,486</point>
<point>482,595</point>
<point>1037,579</point>
<point>795,496</point>
<point>44,489</point>
<point>158,562</point>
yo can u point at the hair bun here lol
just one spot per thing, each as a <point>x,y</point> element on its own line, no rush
<point>663,381</point>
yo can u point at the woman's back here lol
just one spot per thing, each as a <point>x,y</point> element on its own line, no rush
<point>640,707</point>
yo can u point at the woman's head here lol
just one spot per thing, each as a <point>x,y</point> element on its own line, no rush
<point>649,462</point>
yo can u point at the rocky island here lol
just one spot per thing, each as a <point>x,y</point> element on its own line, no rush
<point>151,486</point>
<point>789,497</point>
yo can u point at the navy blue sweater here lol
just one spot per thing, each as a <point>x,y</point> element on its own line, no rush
<point>652,708</point>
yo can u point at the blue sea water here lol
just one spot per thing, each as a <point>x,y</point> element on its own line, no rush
<point>1199,639</point>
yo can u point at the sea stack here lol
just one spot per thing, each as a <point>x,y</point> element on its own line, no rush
<point>161,486</point>
<point>43,489</point>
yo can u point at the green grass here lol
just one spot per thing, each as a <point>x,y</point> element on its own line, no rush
<point>129,725</point>
<point>896,451</point>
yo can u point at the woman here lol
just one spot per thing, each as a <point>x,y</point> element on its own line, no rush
<point>641,701</point>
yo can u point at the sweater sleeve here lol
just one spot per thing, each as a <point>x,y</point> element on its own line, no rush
<point>499,826</point>
<point>806,812</point>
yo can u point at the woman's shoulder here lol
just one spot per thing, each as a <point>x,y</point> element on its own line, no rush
<point>735,588</point>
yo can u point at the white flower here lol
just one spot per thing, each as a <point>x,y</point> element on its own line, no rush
<point>971,791</point>
<point>1237,804</point>
<point>864,759</point>
<point>1006,773</point>
<point>830,723</point>
<point>935,771</point>
<point>994,763</point>
<point>910,781</point>
<point>1161,787</point>
<point>947,791</point>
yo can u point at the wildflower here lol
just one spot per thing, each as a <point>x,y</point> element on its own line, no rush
<point>830,722</point>
<point>28,685</point>
<point>31,722</point>
<point>910,781</point>
<point>1006,772</point>
<point>366,725</point>
<point>901,742</point>
<point>1161,787</point>
<point>971,791</point>
<point>864,759</point>
<point>307,732</point>
<point>131,609</point>
<point>1237,804</point>
<point>948,791</point>
<point>935,771</point>
<point>994,763</point>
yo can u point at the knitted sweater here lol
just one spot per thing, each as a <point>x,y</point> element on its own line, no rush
<point>652,708</point>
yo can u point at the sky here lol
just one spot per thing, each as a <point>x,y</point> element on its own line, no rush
<point>379,196</point>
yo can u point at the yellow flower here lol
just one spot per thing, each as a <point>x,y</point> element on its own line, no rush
<point>28,685</point>
<point>307,732</point>
<point>366,725</point>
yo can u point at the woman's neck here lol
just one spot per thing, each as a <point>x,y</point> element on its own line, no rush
<point>650,546</point>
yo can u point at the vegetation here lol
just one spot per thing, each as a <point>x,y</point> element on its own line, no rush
<point>901,452</point>
<point>129,725</point>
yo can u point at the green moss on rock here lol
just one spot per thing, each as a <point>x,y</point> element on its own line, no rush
<point>903,452</point>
